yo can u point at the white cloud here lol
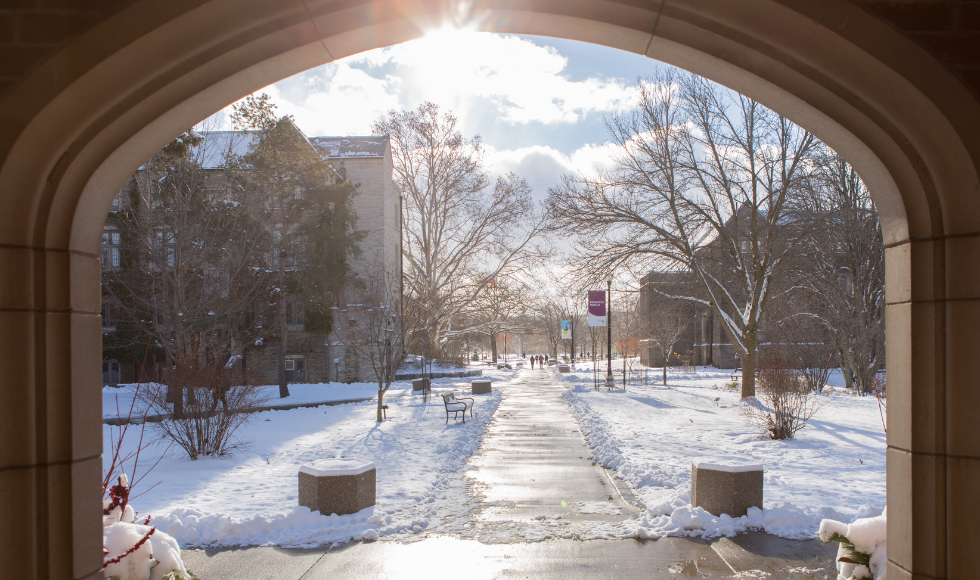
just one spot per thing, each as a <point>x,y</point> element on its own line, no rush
<point>543,166</point>
<point>520,81</point>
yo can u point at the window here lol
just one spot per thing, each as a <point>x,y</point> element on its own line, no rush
<point>746,246</point>
<point>110,249</point>
<point>110,372</point>
<point>163,247</point>
<point>108,315</point>
<point>295,369</point>
<point>294,314</point>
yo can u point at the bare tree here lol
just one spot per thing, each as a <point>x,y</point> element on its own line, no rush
<point>843,268</point>
<point>498,310</point>
<point>183,255</point>
<point>373,325</point>
<point>705,181</point>
<point>461,230</point>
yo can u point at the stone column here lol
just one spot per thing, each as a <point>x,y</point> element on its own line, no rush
<point>50,411</point>
<point>933,329</point>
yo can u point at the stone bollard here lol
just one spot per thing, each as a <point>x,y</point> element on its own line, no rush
<point>338,486</point>
<point>564,368</point>
<point>481,387</point>
<point>726,489</point>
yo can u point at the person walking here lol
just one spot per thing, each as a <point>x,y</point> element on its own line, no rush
<point>532,362</point>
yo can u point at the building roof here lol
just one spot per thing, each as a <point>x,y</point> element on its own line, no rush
<point>218,146</point>
<point>344,147</point>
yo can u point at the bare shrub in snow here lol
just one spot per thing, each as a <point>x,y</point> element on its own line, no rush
<point>783,403</point>
<point>879,392</point>
<point>218,402</point>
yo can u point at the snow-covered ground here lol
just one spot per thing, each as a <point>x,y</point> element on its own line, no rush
<point>833,468</point>
<point>250,497</point>
<point>116,401</point>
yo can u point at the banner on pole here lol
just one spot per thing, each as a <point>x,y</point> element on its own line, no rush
<point>566,329</point>
<point>597,307</point>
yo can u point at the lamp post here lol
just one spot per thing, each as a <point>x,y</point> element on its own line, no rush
<point>610,381</point>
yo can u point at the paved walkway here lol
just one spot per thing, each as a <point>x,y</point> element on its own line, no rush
<point>532,471</point>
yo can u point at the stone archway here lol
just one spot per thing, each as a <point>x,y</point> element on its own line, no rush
<point>77,124</point>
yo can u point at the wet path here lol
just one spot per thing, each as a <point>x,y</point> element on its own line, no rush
<point>534,463</point>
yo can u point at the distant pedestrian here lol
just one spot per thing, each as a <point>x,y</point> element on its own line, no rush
<point>546,358</point>
<point>532,362</point>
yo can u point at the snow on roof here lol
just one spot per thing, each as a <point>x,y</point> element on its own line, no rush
<point>218,146</point>
<point>346,147</point>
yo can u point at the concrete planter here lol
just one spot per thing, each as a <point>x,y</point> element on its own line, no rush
<point>564,369</point>
<point>339,486</point>
<point>726,489</point>
<point>481,387</point>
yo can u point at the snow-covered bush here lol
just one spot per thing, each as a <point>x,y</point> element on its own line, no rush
<point>862,552</point>
<point>783,403</point>
<point>214,402</point>
<point>134,551</point>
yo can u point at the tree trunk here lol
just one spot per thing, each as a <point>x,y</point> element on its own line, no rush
<point>434,348</point>
<point>748,374</point>
<point>381,398</point>
<point>283,387</point>
<point>665,371</point>
<point>493,347</point>
<point>748,366</point>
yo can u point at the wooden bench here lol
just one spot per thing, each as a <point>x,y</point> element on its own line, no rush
<point>456,406</point>
<point>737,373</point>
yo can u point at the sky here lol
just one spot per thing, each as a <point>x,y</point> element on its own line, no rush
<point>538,103</point>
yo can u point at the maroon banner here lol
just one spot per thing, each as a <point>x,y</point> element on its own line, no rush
<point>597,307</point>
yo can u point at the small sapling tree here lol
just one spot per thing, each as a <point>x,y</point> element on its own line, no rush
<point>373,326</point>
<point>783,403</point>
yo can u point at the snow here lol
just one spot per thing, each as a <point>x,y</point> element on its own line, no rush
<point>868,536</point>
<point>119,537</point>
<point>727,468</point>
<point>299,394</point>
<point>337,467</point>
<point>650,435</point>
<point>250,497</point>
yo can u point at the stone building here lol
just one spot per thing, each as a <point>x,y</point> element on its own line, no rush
<point>703,342</point>
<point>314,357</point>
<point>311,356</point>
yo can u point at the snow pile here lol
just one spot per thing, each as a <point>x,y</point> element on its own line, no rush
<point>250,498</point>
<point>862,552</point>
<point>134,551</point>
<point>650,435</point>
<point>156,557</point>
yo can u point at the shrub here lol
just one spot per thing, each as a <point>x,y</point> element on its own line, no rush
<point>201,378</point>
<point>783,403</point>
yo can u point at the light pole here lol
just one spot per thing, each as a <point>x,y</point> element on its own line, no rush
<point>610,381</point>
